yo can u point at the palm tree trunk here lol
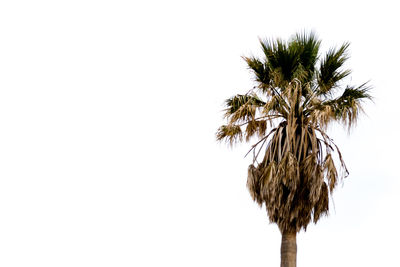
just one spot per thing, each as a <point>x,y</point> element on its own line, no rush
<point>288,249</point>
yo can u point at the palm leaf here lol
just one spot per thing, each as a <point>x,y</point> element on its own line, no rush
<point>242,107</point>
<point>330,72</point>
<point>231,133</point>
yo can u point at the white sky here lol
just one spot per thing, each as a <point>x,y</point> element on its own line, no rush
<point>108,111</point>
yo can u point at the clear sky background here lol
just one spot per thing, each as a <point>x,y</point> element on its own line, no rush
<point>108,111</point>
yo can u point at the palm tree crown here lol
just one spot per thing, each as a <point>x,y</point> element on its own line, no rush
<point>297,94</point>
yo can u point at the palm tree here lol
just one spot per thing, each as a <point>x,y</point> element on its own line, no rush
<point>300,93</point>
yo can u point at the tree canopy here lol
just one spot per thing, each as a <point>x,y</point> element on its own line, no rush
<point>298,93</point>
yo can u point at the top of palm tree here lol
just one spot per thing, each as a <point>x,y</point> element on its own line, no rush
<point>298,93</point>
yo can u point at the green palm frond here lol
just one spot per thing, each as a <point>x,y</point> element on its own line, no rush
<point>348,106</point>
<point>330,72</point>
<point>308,46</point>
<point>260,70</point>
<point>282,60</point>
<point>293,60</point>
<point>344,109</point>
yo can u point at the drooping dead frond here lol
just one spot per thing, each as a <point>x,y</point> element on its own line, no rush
<point>255,127</point>
<point>331,172</point>
<point>253,184</point>
<point>290,179</point>
<point>322,205</point>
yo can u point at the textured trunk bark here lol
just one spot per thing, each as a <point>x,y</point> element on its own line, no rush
<point>288,250</point>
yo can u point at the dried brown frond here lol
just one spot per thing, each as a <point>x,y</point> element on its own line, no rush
<point>231,133</point>
<point>291,178</point>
